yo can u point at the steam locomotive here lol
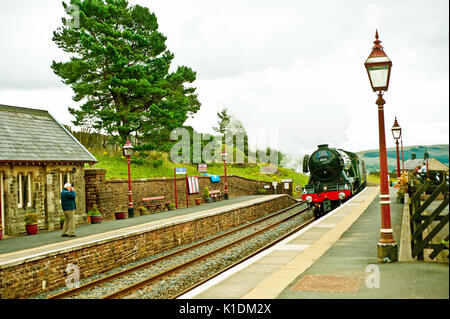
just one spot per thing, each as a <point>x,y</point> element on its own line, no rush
<point>335,176</point>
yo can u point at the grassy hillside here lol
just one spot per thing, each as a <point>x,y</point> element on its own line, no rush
<point>157,164</point>
<point>371,157</point>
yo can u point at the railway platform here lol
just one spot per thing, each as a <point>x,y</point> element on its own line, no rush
<point>39,262</point>
<point>42,239</point>
<point>333,258</point>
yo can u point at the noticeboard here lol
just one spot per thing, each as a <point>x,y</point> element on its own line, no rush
<point>201,167</point>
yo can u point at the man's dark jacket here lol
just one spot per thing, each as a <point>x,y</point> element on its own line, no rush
<point>68,200</point>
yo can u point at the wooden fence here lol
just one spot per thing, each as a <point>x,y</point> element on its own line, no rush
<point>428,212</point>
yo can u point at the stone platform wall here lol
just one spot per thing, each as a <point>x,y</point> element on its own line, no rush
<point>112,195</point>
<point>48,272</point>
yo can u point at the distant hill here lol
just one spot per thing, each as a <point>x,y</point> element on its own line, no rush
<point>371,157</point>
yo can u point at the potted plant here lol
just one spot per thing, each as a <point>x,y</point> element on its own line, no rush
<point>142,210</point>
<point>119,215</point>
<point>61,221</point>
<point>95,215</point>
<point>31,224</point>
<point>198,201</point>
<point>400,196</point>
<point>171,206</point>
<point>206,195</point>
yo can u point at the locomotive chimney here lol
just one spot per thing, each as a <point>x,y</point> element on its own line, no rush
<point>322,146</point>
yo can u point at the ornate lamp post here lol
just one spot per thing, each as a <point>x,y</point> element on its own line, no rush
<point>224,157</point>
<point>397,133</point>
<point>378,67</point>
<point>127,152</point>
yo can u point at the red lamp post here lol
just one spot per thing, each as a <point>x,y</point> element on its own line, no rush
<point>224,157</point>
<point>378,67</point>
<point>403,162</point>
<point>397,133</point>
<point>127,151</point>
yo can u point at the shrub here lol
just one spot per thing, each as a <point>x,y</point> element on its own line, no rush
<point>157,163</point>
<point>206,192</point>
<point>94,211</point>
<point>142,210</point>
<point>31,218</point>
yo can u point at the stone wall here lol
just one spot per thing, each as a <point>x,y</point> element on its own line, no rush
<point>48,272</point>
<point>46,183</point>
<point>112,195</point>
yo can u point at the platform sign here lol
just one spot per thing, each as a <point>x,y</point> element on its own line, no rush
<point>201,168</point>
<point>180,170</point>
<point>193,184</point>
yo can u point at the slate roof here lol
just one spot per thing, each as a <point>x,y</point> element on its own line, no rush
<point>30,135</point>
<point>433,164</point>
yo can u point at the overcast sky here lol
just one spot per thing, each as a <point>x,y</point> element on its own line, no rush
<point>292,68</point>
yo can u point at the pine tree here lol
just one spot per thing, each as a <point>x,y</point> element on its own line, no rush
<point>119,71</point>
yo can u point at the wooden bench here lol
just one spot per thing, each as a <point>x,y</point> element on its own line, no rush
<point>215,194</point>
<point>156,202</point>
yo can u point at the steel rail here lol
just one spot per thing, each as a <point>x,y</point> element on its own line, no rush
<point>273,243</point>
<point>148,281</point>
<point>97,282</point>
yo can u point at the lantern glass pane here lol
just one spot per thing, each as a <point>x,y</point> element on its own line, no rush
<point>379,76</point>
<point>127,151</point>
<point>396,133</point>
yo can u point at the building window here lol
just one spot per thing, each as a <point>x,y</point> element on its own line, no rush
<point>24,195</point>
<point>64,177</point>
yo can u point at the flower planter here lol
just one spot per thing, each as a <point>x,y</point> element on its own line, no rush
<point>198,201</point>
<point>31,229</point>
<point>96,219</point>
<point>120,215</point>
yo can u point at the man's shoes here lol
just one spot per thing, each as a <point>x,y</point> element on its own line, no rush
<point>64,235</point>
<point>73,235</point>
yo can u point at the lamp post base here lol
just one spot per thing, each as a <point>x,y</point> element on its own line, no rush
<point>130,212</point>
<point>225,196</point>
<point>387,252</point>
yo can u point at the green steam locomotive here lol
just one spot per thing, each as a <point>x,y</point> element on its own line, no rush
<point>335,176</point>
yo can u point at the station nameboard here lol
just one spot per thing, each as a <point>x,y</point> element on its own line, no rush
<point>201,168</point>
<point>180,170</point>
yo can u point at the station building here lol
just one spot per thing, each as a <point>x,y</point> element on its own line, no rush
<point>37,157</point>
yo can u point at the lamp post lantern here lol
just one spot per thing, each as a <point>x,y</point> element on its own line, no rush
<point>127,152</point>
<point>397,134</point>
<point>224,157</point>
<point>378,66</point>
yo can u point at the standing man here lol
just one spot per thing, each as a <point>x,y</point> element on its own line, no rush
<point>68,206</point>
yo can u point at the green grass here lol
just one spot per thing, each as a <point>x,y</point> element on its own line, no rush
<point>116,167</point>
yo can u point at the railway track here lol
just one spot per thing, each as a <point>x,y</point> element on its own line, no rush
<point>164,271</point>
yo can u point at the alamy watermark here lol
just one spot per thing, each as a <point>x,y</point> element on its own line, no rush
<point>73,278</point>
<point>373,279</point>
<point>74,11</point>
